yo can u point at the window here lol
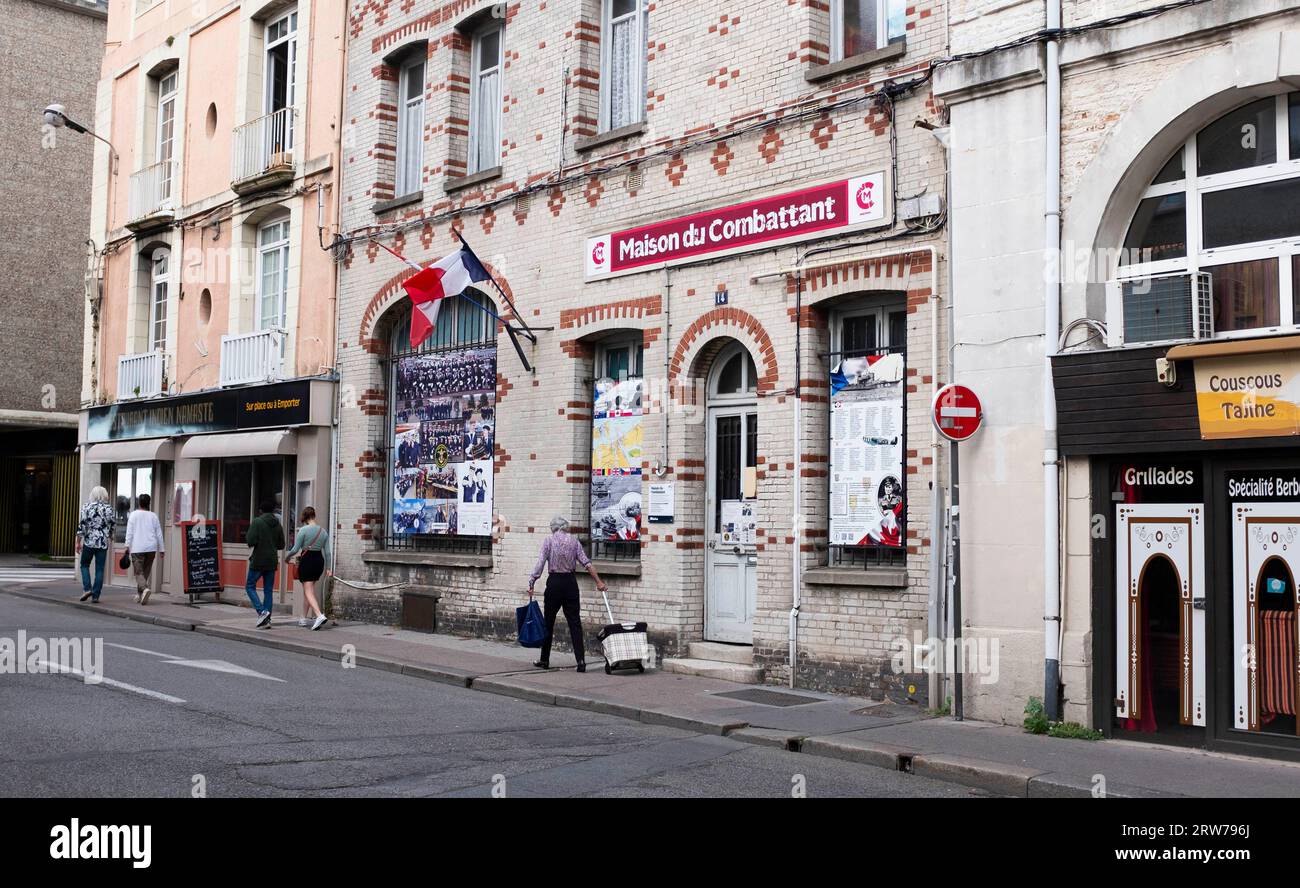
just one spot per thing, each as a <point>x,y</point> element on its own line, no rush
<point>158,294</point>
<point>859,26</point>
<point>130,483</point>
<point>867,329</point>
<point>281,69</point>
<point>410,125</point>
<point>485,99</point>
<point>1226,206</point>
<point>166,134</point>
<point>245,485</point>
<point>441,430</point>
<point>273,274</point>
<point>623,60</point>
<point>617,414</point>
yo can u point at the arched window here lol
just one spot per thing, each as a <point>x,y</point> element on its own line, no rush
<point>734,375</point>
<point>442,429</point>
<point>1214,246</point>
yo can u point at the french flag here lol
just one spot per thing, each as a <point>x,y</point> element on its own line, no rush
<point>446,278</point>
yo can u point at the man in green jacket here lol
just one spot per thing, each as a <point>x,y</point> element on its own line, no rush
<point>265,540</point>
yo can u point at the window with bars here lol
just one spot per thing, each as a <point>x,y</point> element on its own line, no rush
<point>620,361</point>
<point>466,322</point>
<point>858,330</point>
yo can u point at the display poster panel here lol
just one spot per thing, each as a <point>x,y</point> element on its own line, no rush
<point>866,467</point>
<point>444,428</point>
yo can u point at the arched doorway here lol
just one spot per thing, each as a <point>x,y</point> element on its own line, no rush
<point>1160,617</point>
<point>1266,680</point>
<point>731,560</point>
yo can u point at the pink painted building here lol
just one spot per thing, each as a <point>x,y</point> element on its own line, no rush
<point>209,349</point>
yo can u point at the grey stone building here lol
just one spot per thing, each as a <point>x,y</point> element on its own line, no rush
<point>50,51</point>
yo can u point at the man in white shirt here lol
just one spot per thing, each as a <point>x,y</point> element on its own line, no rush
<point>144,540</point>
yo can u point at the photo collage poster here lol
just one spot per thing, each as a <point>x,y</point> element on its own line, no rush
<point>866,469</point>
<point>616,435</point>
<point>443,438</point>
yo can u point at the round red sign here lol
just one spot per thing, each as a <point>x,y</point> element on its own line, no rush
<point>957,412</point>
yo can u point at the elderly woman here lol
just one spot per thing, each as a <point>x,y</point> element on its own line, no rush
<point>562,553</point>
<point>93,533</point>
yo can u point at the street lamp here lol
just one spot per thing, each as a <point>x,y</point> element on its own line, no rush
<point>57,118</point>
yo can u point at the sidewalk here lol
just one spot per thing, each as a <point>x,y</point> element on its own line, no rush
<point>998,758</point>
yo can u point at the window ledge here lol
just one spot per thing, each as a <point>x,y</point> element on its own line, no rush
<point>428,559</point>
<point>614,135</point>
<point>384,206</point>
<point>856,576</point>
<point>460,183</point>
<point>858,62</point>
<point>628,568</point>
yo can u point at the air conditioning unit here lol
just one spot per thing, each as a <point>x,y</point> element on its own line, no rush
<point>1160,308</point>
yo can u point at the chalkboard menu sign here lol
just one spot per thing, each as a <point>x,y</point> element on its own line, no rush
<point>202,556</point>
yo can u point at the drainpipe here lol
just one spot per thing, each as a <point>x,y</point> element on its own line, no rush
<point>1051,330</point>
<point>795,523</point>
<point>662,470</point>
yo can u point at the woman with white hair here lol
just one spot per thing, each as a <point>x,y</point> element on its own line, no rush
<point>93,533</point>
<point>561,554</point>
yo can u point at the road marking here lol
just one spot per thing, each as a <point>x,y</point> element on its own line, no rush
<point>212,665</point>
<point>222,666</point>
<point>127,647</point>
<point>112,683</point>
<point>35,575</point>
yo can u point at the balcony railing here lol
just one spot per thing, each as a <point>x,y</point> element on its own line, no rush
<point>251,357</point>
<point>139,376</point>
<point>263,146</point>
<point>151,191</point>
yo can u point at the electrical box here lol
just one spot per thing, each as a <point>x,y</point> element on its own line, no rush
<point>920,207</point>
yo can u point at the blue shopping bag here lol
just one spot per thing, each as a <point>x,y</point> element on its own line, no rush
<point>531,625</point>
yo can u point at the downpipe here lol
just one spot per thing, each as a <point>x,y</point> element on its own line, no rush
<point>1051,330</point>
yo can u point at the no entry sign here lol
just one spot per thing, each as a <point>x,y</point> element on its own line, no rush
<point>957,412</point>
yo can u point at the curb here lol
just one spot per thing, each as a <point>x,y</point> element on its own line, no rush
<point>997,777</point>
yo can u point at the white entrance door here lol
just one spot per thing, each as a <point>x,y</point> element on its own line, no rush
<point>1261,533</point>
<point>731,553</point>
<point>1144,533</point>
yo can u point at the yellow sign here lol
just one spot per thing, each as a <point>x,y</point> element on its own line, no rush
<point>1253,396</point>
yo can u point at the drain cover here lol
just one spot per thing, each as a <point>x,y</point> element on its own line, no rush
<point>770,698</point>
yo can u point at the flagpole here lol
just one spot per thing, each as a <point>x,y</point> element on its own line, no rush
<point>524,328</point>
<point>418,267</point>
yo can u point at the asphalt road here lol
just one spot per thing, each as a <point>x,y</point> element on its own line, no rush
<point>180,710</point>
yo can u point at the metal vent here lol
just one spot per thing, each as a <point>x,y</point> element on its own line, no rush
<point>523,202</point>
<point>634,179</point>
<point>1178,306</point>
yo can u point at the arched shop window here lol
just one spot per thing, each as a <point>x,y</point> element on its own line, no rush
<point>442,430</point>
<point>1214,247</point>
<point>867,432</point>
<point>616,428</point>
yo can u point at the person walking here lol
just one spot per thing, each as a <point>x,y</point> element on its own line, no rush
<point>312,546</point>
<point>561,553</point>
<point>144,542</point>
<point>93,533</point>
<point>265,539</point>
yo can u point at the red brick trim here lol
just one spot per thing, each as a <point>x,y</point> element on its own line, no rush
<point>729,322</point>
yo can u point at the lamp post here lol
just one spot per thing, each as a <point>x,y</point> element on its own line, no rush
<point>57,118</point>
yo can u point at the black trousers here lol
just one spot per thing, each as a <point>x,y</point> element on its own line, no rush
<point>562,594</point>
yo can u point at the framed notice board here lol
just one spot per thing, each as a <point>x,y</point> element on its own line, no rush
<point>201,557</point>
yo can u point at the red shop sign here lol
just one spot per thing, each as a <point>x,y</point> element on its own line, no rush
<point>858,202</point>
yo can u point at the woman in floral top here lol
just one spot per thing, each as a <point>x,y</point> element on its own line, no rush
<point>93,533</point>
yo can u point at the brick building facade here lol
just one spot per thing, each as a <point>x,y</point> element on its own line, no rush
<point>739,104</point>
